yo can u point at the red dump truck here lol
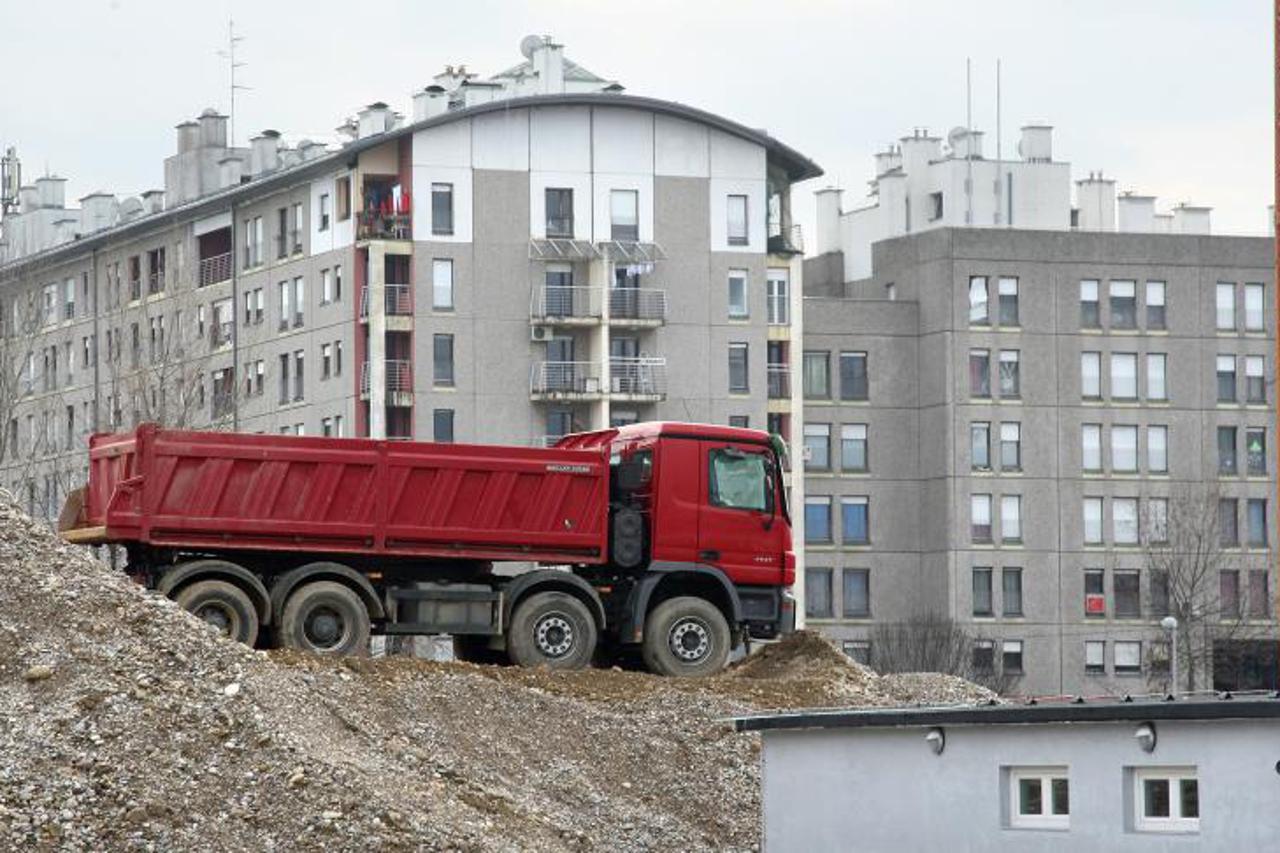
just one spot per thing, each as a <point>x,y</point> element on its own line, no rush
<point>669,539</point>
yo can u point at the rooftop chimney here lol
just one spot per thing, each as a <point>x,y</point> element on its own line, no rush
<point>1189,219</point>
<point>264,152</point>
<point>51,191</point>
<point>1096,199</point>
<point>965,144</point>
<point>188,136</point>
<point>430,102</point>
<point>309,149</point>
<point>348,130</point>
<point>28,198</point>
<point>547,59</point>
<point>373,119</point>
<point>888,160</point>
<point>213,129</point>
<point>1136,214</point>
<point>153,201</point>
<point>828,236</point>
<point>1036,144</point>
<point>230,168</point>
<point>97,211</point>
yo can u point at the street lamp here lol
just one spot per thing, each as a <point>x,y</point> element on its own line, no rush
<point>1170,625</point>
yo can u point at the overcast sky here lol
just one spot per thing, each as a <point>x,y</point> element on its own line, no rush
<point>1172,98</point>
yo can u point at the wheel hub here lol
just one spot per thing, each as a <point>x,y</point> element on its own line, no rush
<point>690,640</point>
<point>324,627</point>
<point>554,635</point>
<point>216,615</point>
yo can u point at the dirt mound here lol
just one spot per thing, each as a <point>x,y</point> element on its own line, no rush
<point>125,723</point>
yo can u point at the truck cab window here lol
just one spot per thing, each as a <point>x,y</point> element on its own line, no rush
<point>739,480</point>
<point>634,471</point>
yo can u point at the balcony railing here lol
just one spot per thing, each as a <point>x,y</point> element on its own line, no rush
<point>372,225</point>
<point>644,304</point>
<point>638,377</point>
<point>779,380</point>
<point>553,303</point>
<point>397,300</point>
<point>215,269</point>
<point>399,376</point>
<point>565,379</point>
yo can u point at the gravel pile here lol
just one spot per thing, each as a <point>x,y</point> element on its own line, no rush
<point>127,724</point>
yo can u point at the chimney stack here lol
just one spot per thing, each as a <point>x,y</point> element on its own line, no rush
<point>153,201</point>
<point>373,119</point>
<point>1036,144</point>
<point>430,102</point>
<point>1136,214</point>
<point>828,230</point>
<point>1096,199</point>
<point>188,136</point>
<point>213,129</point>
<point>51,191</point>
<point>264,152</point>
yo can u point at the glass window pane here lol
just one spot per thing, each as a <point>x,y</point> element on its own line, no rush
<point>1011,518</point>
<point>978,311</point>
<point>1124,513</point>
<point>1158,449</point>
<point>1156,389</point>
<point>817,519</point>
<point>1061,802</point>
<point>1030,801</point>
<point>1091,447</point>
<point>982,592</point>
<point>1008,302</point>
<point>1155,798</point>
<point>857,592</point>
<point>817,446</point>
<point>816,378</point>
<point>1124,376</point>
<point>1011,592</point>
<point>1189,790</point>
<point>1254,307</point>
<point>1010,385</point>
<point>979,373</point>
<point>856,522</point>
<point>1225,302</point>
<point>1128,656</point>
<point>817,588</point>
<point>1090,375</point>
<point>980,445</point>
<point>1093,520</point>
<point>739,480</point>
<point>853,376</point>
<point>1124,448</point>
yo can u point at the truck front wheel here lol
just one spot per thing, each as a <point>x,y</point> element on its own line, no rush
<point>552,629</point>
<point>325,618</point>
<point>686,636</point>
<point>224,605</point>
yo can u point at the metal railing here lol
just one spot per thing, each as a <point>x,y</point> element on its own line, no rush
<point>779,381</point>
<point>397,300</point>
<point>399,376</point>
<point>637,303</point>
<point>372,225</point>
<point>555,378</point>
<point>215,269</point>
<point>554,302</point>
<point>641,377</point>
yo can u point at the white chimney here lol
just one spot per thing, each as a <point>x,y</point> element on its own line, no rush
<point>130,209</point>
<point>828,230</point>
<point>1036,144</point>
<point>310,150</point>
<point>188,136</point>
<point>51,191</point>
<point>888,160</point>
<point>28,199</point>
<point>64,229</point>
<point>547,59</point>
<point>1136,214</point>
<point>264,152</point>
<point>373,119</point>
<point>430,102</point>
<point>1096,200</point>
<point>966,144</point>
<point>919,150</point>
<point>98,211</point>
<point>213,129</point>
<point>1189,219</point>
<point>229,171</point>
<point>153,201</point>
<point>348,130</point>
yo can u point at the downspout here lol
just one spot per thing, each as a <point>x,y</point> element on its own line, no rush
<point>235,325</point>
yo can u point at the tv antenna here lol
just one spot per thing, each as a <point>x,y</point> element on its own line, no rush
<point>232,66</point>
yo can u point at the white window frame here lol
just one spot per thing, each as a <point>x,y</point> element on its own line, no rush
<point>1092,520</point>
<point>1224,306</point>
<point>1044,776</point>
<point>1122,379</point>
<point>1124,448</point>
<point>1125,529</point>
<point>739,310</point>
<point>1157,378</point>
<point>1157,449</point>
<point>1086,450</point>
<point>1255,306</point>
<point>442,284</point>
<point>979,301</point>
<point>1175,822</point>
<point>1010,518</point>
<point>1094,391</point>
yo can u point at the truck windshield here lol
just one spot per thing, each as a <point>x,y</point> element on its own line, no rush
<point>739,480</point>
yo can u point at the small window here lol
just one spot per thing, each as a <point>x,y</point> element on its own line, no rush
<point>853,448</point>
<point>856,520</point>
<point>1124,449</point>
<point>442,360</point>
<point>1156,318</point>
<point>1011,591</point>
<point>1010,377</point>
<point>1255,385</point>
<point>1124,376</point>
<point>624,210</point>
<point>980,518</point>
<point>857,593</point>
<point>1166,799</point>
<point>442,425</point>
<point>1092,521</point>
<point>817,593</point>
<point>1226,374</point>
<point>1228,530</point>
<point>1091,375</point>
<point>1010,446</point>
<point>817,374</point>
<point>853,376</point>
<point>1255,446</point>
<point>1011,657</point>
<point>1126,593</point>
<point>442,284</point>
<point>1124,305</point>
<point>817,519</point>
<point>324,212</point>
<point>343,191</point>
<point>1256,510</point>
<point>1124,521</point>
<point>980,446</point>
<point>858,650</point>
<point>1095,657</point>
<point>1259,597</point>
<point>738,370</point>
<point>1090,317</point>
<point>1254,307</point>
<point>935,206</point>
<point>1040,798</point>
<point>1095,596</point>
<point>1127,657</point>
<point>979,373</point>
<point>738,307</point>
<point>1008,288</point>
<point>559,206</point>
<point>1156,387</point>
<point>737,220</point>
<point>739,480</point>
<point>1225,306</point>
<point>979,307</point>
<point>442,209</point>
<point>982,591</point>
<point>1158,521</point>
<point>1091,447</point>
<point>984,656</point>
<point>1227,452</point>
<point>817,447</point>
<point>1011,519</point>
<point>1228,594</point>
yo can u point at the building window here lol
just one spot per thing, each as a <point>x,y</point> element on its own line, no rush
<point>442,425</point>
<point>853,376</point>
<point>853,448</point>
<point>1254,307</point>
<point>299,384</point>
<point>738,375</point>
<point>1124,376</point>
<point>1259,597</point>
<point>1008,288</point>
<point>1227,451</point>
<point>1093,521</point>
<point>737,214</point>
<point>778,290</point>
<point>1126,594</point>
<point>982,591</point>
<point>1226,369</point>
<point>1126,657</point>
<point>1225,305</point>
<point>1010,446</point>
<point>559,208</point>
<point>299,300</point>
<point>1091,375</point>
<point>980,446</point>
<point>1095,595</point>
<point>1255,448</point>
<point>980,518</point>
<point>1011,518</point>
<point>1166,799</point>
<point>1011,657</point>
<point>858,650</point>
<point>1124,521</point>
<point>817,593</point>
<point>817,447</point>
<point>740,421</point>
<point>326,361</point>
<point>817,375</point>
<point>1158,449</point>
<point>1156,388</point>
<point>738,294</point>
<point>1228,532</point>
<point>337,283</point>
<point>1010,381</point>
<point>1228,594</point>
<point>442,210</point>
<point>324,212</point>
<point>979,373</point>
<point>624,210</point>
<point>857,593</point>
<point>1124,304</point>
<point>1011,591</point>
<point>1041,798</point>
<point>1255,386</point>
<point>1156,318</point>
<point>1091,447</point>
<point>1124,449</point>
<point>817,519</point>
<point>979,307</point>
<point>1095,657</point>
<point>442,359</point>
<point>984,656</point>
<point>935,206</point>
<point>1090,317</point>
<point>342,190</point>
<point>856,521</point>
<point>442,284</point>
<point>1256,511</point>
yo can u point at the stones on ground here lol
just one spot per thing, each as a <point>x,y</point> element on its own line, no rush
<point>39,672</point>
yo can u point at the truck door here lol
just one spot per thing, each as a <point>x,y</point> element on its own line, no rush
<point>740,525</point>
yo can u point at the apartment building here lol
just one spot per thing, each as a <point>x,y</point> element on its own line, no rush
<point>1002,424</point>
<point>532,254</point>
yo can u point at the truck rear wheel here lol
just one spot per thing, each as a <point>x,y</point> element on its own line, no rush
<point>552,629</point>
<point>325,618</point>
<point>223,605</point>
<point>687,637</point>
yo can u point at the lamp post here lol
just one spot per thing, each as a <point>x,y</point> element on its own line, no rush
<point>1170,625</point>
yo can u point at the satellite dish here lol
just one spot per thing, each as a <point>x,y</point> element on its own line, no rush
<point>529,44</point>
<point>956,133</point>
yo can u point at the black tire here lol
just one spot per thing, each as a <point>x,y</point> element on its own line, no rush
<point>552,629</point>
<point>686,637</point>
<point>475,649</point>
<point>224,605</point>
<point>325,618</point>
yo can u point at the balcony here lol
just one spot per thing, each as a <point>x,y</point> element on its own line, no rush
<point>565,306</point>
<point>637,306</point>
<point>377,225</point>
<point>785,241</point>
<point>397,300</point>
<point>779,381</point>
<point>565,380</point>
<point>399,381</point>
<point>638,379</point>
<point>215,269</point>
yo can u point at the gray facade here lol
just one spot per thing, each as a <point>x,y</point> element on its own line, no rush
<point>926,486</point>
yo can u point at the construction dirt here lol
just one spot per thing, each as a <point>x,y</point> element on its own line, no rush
<point>127,724</point>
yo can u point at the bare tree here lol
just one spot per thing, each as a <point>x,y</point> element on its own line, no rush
<point>929,643</point>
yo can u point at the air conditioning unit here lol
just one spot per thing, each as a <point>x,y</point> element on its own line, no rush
<point>539,334</point>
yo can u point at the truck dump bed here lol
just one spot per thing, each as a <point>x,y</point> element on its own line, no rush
<point>193,490</point>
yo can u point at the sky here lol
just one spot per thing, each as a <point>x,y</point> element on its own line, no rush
<point>1170,98</point>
